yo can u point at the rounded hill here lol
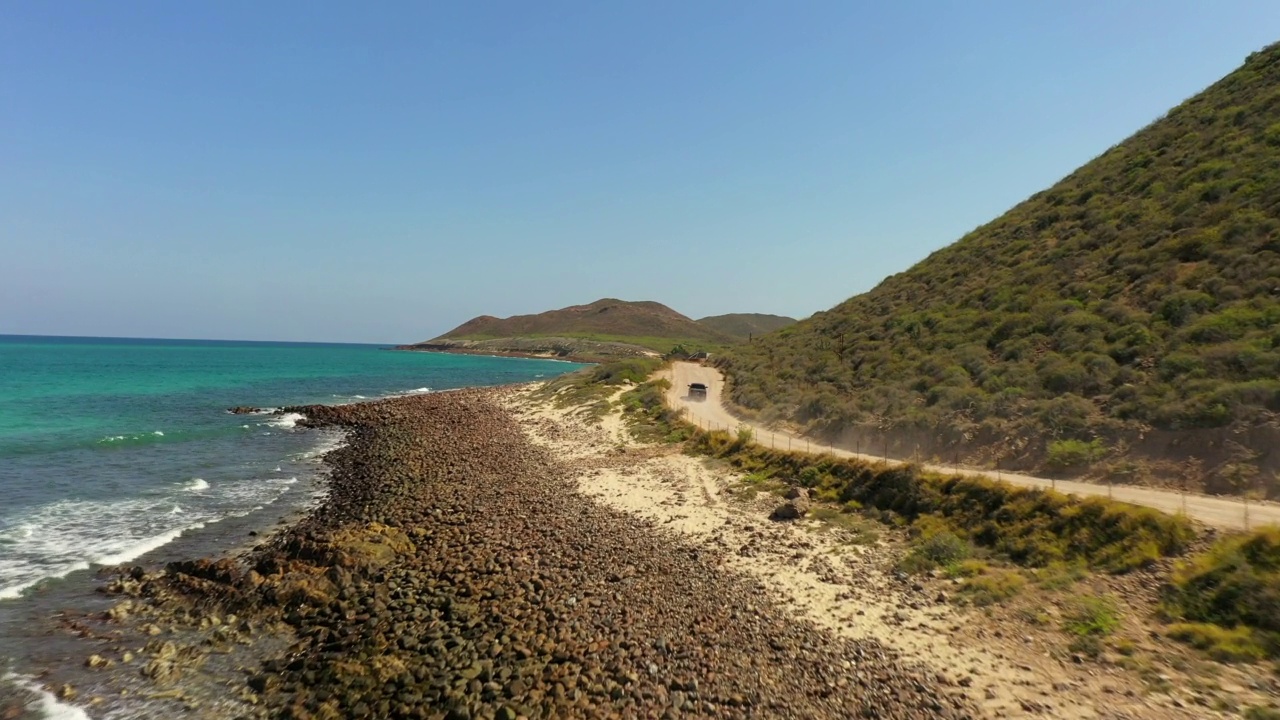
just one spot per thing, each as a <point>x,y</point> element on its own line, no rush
<point>1130,313</point>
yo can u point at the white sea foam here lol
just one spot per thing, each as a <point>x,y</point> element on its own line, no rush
<point>46,704</point>
<point>407,393</point>
<point>71,535</point>
<point>143,546</point>
<point>327,444</point>
<point>287,420</point>
<point>134,437</point>
<point>22,532</point>
<point>196,485</point>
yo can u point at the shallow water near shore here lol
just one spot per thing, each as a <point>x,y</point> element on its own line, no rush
<point>121,451</point>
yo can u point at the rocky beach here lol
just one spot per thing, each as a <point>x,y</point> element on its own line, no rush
<point>455,571</point>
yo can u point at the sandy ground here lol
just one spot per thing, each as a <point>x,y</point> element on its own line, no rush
<point>1217,512</point>
<point>849,589</point>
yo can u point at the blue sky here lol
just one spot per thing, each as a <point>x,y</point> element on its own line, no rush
<point>381,172</point>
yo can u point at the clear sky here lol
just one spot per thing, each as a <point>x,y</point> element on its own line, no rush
<point>384,171</point>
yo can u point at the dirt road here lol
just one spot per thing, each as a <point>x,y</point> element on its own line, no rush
<point>1217,512</point>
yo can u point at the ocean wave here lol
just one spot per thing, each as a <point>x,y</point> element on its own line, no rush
<point>287,420</point>
<point>13,592</point>
<point>407,393</point>
<point>45,703</point>
<point>66,536</point>
<point>21,532</point>
<point>131,438</point>
<point>327,444</point>
<point>144,546</point>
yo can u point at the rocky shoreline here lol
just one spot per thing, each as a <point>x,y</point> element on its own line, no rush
<point>454,572</point>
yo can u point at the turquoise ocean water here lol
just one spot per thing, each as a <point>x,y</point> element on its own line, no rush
<point>110,448</point>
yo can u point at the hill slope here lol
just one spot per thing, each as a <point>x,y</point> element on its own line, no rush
<point>1136,303</point>
<point>744,325</point>
<point>645,324</point>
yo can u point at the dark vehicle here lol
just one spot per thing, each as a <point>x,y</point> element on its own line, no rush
<point>697,391</point>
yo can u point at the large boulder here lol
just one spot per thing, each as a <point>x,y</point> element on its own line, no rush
<point>796,506</point>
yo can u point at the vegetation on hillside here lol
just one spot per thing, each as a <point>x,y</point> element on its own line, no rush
<point>1225,600</point>
<point>590,388</point>
<point>1134,303</point>
<point>1029,526</point>
<point>1230,597</point>
<point>647,324</point>
<point>746,325</point>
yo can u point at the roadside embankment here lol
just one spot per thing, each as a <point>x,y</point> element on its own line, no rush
<point>1032,603</point>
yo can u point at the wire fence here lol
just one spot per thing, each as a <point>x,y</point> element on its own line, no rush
<point>781,441</point>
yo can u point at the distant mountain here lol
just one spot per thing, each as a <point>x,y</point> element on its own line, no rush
<point>608,327</point>
<point>744,325</point>
<point>1126,316</point>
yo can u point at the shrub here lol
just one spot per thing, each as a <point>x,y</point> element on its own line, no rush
<point>1030,526</point>
<point>1258,712</point>
<point>992,588</point>
<point>1236,644</point>
<point>1092,615</point>
<point>967,568</point>
<point>1071,453</point>
<point>1233,584</point>
<point>1060,575</point>
<point>631,370</point>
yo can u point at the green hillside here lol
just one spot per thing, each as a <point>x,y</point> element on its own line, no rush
<point>1133,307</point>
<point>745,325</point>
<point>645,324</point>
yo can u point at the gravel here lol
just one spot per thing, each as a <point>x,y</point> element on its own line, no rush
<point>454,572</point>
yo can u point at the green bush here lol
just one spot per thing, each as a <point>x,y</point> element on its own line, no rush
<point>1030,526</point>
<point>1237,644</point>
<point>1092,615</point>
<point>938,549</point>
<point>1234,584</point>
<point>650,419</point>
<point>1072,453</point>
<point>630,370</point>
<point>1259,712</point>
<point>990,589</point>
